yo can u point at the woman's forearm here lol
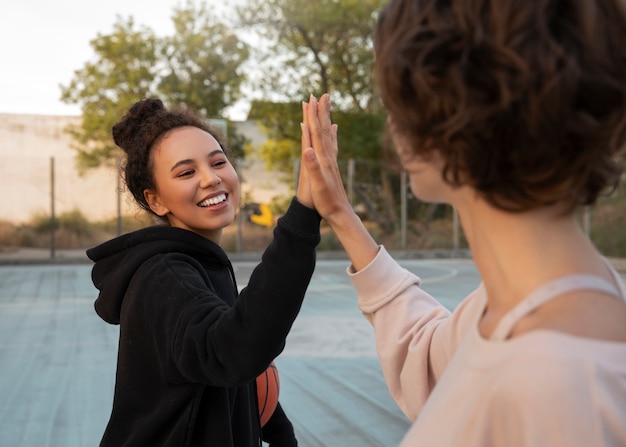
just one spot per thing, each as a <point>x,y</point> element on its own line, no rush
<point>354,237</point>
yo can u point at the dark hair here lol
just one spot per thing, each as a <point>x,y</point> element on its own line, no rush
<point>525,100</point>
<point>142,128</point>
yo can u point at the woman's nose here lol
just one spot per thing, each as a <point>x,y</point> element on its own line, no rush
<point>210,178</point>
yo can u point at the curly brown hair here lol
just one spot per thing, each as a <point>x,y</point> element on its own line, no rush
<point>141,129</point>
<point>525,100</point>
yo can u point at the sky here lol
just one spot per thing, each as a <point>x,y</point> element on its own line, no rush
<point>43,42</point>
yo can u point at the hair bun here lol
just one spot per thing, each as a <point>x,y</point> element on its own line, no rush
<point>129,128</point>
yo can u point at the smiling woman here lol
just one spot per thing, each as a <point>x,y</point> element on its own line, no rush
<point>191,346</point>
<point>196,187</point>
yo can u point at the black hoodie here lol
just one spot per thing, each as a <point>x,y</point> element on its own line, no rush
<point>190,346</point>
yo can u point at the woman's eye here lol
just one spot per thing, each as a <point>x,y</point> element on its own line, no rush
<point>185,173</point>
<point>219,163</point>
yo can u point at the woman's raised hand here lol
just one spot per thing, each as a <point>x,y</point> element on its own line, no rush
<point>319,158</point>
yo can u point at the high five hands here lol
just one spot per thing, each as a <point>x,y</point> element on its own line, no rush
<point>324,185</point>
<point>319,159</point>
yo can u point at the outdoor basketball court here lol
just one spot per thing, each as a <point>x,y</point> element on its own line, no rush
<point>57,358</point>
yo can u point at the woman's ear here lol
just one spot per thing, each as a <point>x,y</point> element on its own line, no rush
<point>152,197</point>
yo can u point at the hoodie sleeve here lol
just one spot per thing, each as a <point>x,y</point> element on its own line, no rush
<point>416,337</point>
<point>200,337</point>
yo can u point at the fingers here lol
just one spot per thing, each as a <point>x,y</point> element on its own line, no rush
<point>323,113</point>
<point>333,140</point>
<point>303,191</point>
<point>323,134</point>
<point>328,128</point>
<point>313,125</point>
<point>306,137</point>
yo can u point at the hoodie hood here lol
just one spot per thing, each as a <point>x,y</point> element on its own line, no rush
<point>117,260</point>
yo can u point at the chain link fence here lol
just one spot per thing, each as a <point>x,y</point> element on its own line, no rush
<point>383,198</point>
<point>46,204</point>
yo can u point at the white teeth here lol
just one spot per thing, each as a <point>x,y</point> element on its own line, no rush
<point>213,200</point>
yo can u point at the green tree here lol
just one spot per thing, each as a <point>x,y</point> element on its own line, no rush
<point>123,70</point>
<point>199,67</point>
<point>203,62</point>
<point>315,47</point>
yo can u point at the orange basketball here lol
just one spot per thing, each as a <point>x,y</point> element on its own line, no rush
<point>267,388</point>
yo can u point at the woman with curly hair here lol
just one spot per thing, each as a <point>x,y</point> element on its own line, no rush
<point>191,345</point>
<point>514,113</point>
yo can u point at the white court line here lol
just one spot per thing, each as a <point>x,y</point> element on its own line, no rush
<point>451,274</point>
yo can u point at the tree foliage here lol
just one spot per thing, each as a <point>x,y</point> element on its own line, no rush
<point>316,47</point>
<point>123,71</point>
<point>198,67</point>
<point>203,60</point>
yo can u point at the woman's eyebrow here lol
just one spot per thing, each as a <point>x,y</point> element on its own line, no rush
<point>181,162</point>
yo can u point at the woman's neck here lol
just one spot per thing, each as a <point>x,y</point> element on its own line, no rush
<point>517,252</point>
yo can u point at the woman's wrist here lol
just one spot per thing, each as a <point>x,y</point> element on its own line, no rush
<point>354,237</point>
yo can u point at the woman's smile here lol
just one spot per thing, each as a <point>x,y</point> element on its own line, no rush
<point>214,202</point>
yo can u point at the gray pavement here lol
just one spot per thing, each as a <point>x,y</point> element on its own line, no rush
<point>57,358</point>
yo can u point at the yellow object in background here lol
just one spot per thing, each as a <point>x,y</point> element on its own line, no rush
<point>265,216</point>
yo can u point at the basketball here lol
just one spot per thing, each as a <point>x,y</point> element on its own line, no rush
<point>268,387</point>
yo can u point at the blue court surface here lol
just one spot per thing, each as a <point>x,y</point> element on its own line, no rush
<point>57,358</point>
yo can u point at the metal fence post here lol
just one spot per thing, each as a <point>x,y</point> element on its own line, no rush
<point>52,213</point>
